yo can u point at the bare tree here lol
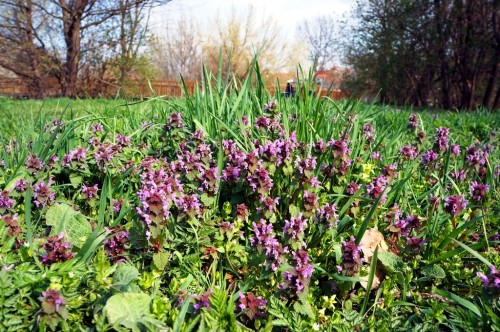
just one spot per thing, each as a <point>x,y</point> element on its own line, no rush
<point>240,37</point>
<point>79,17</point>
<point>22,51</point>
<point>321,33</point>
<point>177,50</point>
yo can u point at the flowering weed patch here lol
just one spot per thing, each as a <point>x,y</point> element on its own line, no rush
<point>231,211</point>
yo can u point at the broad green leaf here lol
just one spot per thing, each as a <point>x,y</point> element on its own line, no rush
<point>390,261</point>
<point>76,180</point>
<point>124,275</point>
<point>72,223</point>
<point>127,308</point>
<point>160,260</point>
<point>433,272</point>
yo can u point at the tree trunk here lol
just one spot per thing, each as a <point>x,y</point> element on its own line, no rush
<point>37,90</point>
<point>72,19</point>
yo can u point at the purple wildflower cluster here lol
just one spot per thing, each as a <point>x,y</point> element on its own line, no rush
<point>400,226</point>
<point>377,187</point>
<point>6,202</point>
<point>115,244</point>
<point>351,256</point>
<point>478,191</point>
<point>203,300</point>
<point>33,164</point>
<point>43,193</point>
<point>428,157</point>
<point>368,132</point>
<point>160,190</point>
<point>412,121</point>
<point>409,152</point>
<point>491,281</point>
<point>297,278</point>
<point>53,302</point>
<point>266,242</point>
<point>56,250</point>
<point>455,204</point>
<point>89,192</point>
<point>294,228</point>
<point>441,139</point>
<point>174,121</point>
<point>76,156</point>
<point>327,214</point>
<point>252,306</point>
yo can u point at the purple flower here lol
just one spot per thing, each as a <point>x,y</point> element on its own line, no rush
<point>20,185</point>
<point>351,256</point>
<point>114,245</point>
<point>368,132</point>
<point>175,121</point>
<point>270,106</point>
<point>415,243</point>
<point>6,202</point>
<point>33,164</point>
<point>203,300</point>
<point>352,188</point>
<point>328,214</point>
<point>56,250</point>
<point>97,128</point>
<point>190,205</point>
<point>294,227</point>
<point>429,156</point>
<point>455,204</point>
<point>412,121</point>
<point>43,194</point>
<point>441,138</point>
<point>89,192</point>
<point>265,240</point>
<point>376,187</point>
<point>394,217</point>
<point>492,280</point>
<point>455,149</point>
<point>252,306</point>
<point>478,191</point>
<point>297,278</point>
<point>340,149</point>
<point>310,201</point>
<point>409,152</point>
<point>53,302</point>
<point>458,176</point>
<point>122,140</point>
<point>305,164</point>
<point>117,205</point>
<point>476,155</point>
<point>260,181</point>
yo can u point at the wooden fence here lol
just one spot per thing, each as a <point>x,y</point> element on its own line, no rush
<point>17,88</point>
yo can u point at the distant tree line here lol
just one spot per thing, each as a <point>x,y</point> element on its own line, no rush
<point>444,53</point>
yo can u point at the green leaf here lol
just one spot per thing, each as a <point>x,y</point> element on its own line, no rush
<point>473,252</point>
<point>124,276</point>
<point>127,308</point>
<point>466,304</point>
<point>207,200</point>
<point>72,223</point>
<point>160,260</point>
<point>294,211</point>
<point>433,272</point>
<point>304,308</point>
<point>390,261</point>
<point>76,180</point>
